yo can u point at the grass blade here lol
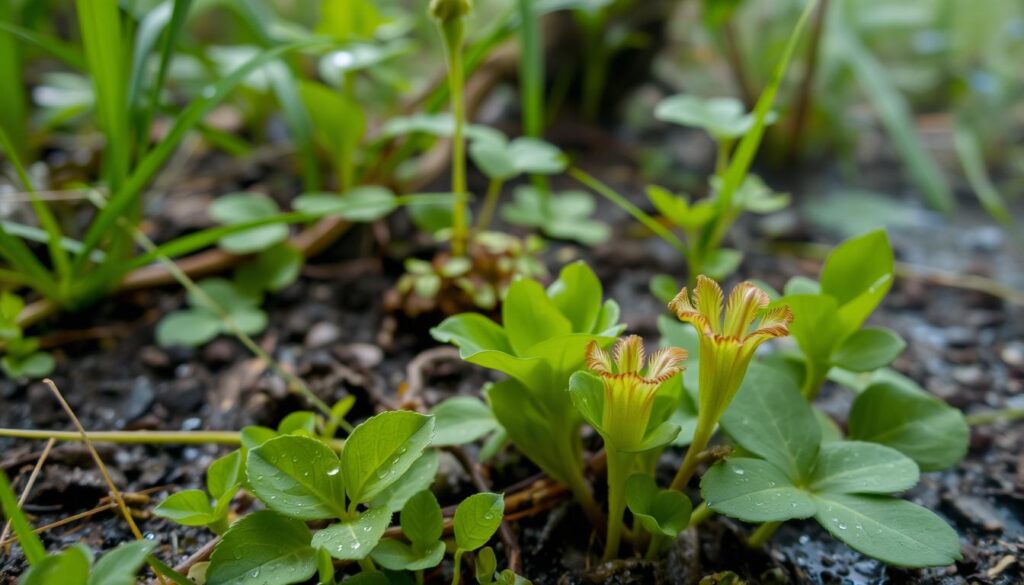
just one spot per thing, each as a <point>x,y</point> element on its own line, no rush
<point>28,540</point>
<point>971,159</point>
<point>58,255</point>
<point>12,99</point>
<point>895,114</point>
<point>100,26</point>
<point>57,48</point>
<point>155,159</point>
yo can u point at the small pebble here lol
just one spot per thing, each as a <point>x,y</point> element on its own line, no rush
<point>322,334</point>
<point>1013,354</point>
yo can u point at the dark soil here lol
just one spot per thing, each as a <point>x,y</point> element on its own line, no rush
<point>965,347</point>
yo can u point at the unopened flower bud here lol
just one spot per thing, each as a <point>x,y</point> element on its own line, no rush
<point>449,10</point>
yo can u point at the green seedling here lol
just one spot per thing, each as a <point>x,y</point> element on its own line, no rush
<point>237,208</point>
<point>567,215</point>
<point>790,469</point>
<point>22,358</point>
<point>829,314</point>
<point>476,520</point>
<point>461,420</point>
<point>194,508</point>
<point>487,570</point>
<point>620,404</point>
<point>539,345</point>
<point>502,160</point>
<point>75,565</point>
<point>200,323</point>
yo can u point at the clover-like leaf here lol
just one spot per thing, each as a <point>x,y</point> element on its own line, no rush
<point>664,512</point>
<point>918,425</point>
<point>243,207</point>
<point>352,540</point>
<point>381,450</point>
<point>189,328</point>
<point>894,531</point>
<point>362,204</point>
<point>723,118</point>
<point>263,547</point>
<point>297,476</point>
<point>565,215</point>
<point>395,555</point>
<point>477,519</point>
<point>855,467</point>
<point>754,490</point>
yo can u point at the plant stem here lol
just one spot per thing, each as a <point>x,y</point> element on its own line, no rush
<point>453,32</point>
<point>762,534</point>
<point>490,204</point>
<point>419,577</point>
<point>700,441</point>
<point>814,378</point>
<point>132,437</point>
<point>457,576</point>
<point>618,467</point>
<point>654,547</point>
<point>994,416</point>
<point>367,564</point>
<point>700,514</point>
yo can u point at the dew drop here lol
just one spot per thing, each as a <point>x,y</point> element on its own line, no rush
<point>355,546</point>
<point>841,526</point>
<point>334,471</point>
<point>738,471</point>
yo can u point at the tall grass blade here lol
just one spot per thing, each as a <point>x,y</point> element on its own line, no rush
<point>100,26</point>
<point>30,543</point>
<point>57,48</point>
<point>971,159</point>
<point>122,199</point>
<point>894,113</point>
<point>12,98</point>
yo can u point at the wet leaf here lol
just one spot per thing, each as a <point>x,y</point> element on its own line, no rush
<point>297,476</point>
<point>263,547</point>
<point>477,519</point>
<point>380,450</point>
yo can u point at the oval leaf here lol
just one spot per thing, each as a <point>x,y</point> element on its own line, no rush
<point>381,449</point>
<point>264,547</point>
<point>477,519</point>
<point>353,540</point>
<point>853,467</point>
<point>298,477</point>
<point>754,491</point>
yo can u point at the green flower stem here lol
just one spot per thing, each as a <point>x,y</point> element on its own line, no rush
<point>453,33</point>
<point>367,564</point>
<point>490,204</point>
<point>700,514</point>
<point>619,464</point>
<point>762,534</point>
<point>814,378</point>
<point>995,416</point>
<point>722,158</point>
<point>701,437</point>
<point>654,547</point>
<point>457,570</point>
<point>580,489</point>
<point>419,577</point>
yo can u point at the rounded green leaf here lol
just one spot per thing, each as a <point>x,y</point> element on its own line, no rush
<point>70,567</point>
<point>121,565</point>
<point>298,477</point>
<point>190,328</point>
<point>354,539</point>
<point>419,477</point>
<point>421,519</point>
<point>893,531</point>
<point>494,158</point>
<point>462,420</point>
<point>381,450</point>
<point>242,207</point>
<point>263,547</point>
<point>753,490</point>
<point>769,417</point>
<point>363,204</point>
<point>869,349</point>
<point>537,157</point>
<point>187,507</point>
<point>530,317</point>
<point>577,294</point>
<point>224,473</point>
<point>477,519</point>
<point>916,424</point>
<point>399,556</point>
<point>272,270</point>
<point>854,467</point>
<point>664,512</point>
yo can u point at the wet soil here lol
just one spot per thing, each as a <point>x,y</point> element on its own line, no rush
<point>329,328</point>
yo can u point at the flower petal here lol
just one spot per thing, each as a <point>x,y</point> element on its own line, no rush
<point>707,299</point>
<point>629,354</point>
<point>774,323</point>
<point>599,360</point>
<point>666,363</point>
<point>745,301</point>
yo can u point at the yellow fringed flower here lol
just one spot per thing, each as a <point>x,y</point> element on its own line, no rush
<point>630,384</point>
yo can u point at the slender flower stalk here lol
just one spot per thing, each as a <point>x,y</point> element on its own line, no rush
<point>727,344</point>
<point>630,381</point>
<point>450,15</point>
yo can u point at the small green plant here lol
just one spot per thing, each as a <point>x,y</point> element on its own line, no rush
<point>74,565</point>
<point>791,469</point>
<point>22,358</point>
<point>540,344</point>
<point>193,507</point>
<point>619,403</point>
